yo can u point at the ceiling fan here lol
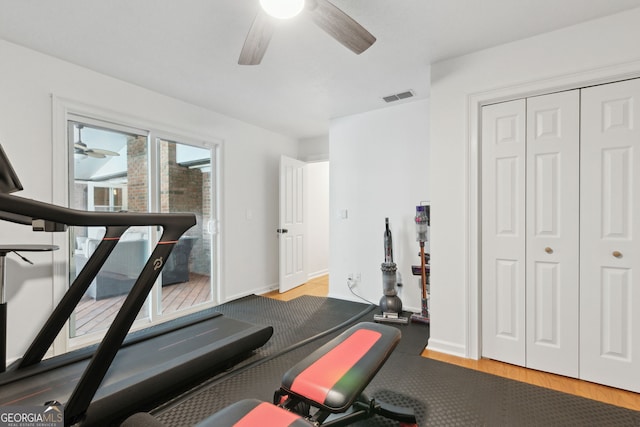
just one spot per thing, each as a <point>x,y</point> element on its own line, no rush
<point>324,14</point>
<point>81,149</point>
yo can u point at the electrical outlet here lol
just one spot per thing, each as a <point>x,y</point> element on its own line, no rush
<point>353,279</point>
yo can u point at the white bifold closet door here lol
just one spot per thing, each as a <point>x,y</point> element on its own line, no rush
<point>552,239</point>
<point>503,231</point>
<point>530,203</point>
<point>609,227</point>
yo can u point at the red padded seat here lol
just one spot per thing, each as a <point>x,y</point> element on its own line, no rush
<point>333,376</point>
<point>252,413</point>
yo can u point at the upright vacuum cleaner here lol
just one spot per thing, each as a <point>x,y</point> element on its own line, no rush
<point>390,303</point>
<point>422,227</point>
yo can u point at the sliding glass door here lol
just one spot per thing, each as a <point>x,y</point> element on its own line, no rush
<point>116,168</point>
<point>185,179</point>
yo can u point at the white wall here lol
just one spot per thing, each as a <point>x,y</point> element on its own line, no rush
<point>250,181</point>
<point>314,149</point>
<point>379,168</point>
<point>580,55</point>
<point>317,218</point>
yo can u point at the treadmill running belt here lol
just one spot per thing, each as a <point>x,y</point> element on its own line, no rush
<point>148,372</point>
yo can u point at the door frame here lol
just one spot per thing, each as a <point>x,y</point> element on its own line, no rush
<point>473,238</point>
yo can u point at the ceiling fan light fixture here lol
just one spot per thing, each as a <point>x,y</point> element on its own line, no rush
<point>282,9</point>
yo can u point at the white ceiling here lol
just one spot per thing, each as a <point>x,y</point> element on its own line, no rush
<point>189,49</point>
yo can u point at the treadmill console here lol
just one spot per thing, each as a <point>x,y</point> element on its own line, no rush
<point>9,182</point>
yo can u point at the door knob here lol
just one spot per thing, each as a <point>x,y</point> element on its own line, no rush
<point>617,254</point>
<point>548,250</point>
<point>282,230</point>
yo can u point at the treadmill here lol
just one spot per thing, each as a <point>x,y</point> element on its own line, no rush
<point>125,373</point>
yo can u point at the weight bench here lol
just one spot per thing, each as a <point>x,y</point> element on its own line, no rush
<point>326,388</point>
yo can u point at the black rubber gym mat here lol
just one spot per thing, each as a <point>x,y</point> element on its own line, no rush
<point>293,322</point>
<point>441,394</point>
<point>448,395</point>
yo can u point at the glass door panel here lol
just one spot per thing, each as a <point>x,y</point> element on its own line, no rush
<point>185,182</point>
<point>109,173</point>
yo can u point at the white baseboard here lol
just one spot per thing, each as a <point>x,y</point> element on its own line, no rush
<point>412,309</point>
<point>257,291</point>
<point>344,297</point>
<point>447,348</point>
<point>319,273</point>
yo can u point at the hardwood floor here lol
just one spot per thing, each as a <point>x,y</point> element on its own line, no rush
<point>626,399</point>
<point>318,287</point>
<point>613,396</point>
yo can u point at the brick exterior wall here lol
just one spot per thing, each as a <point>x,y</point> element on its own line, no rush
<point>181,190</point>
<point>137,175</point>
<point>207,208</point>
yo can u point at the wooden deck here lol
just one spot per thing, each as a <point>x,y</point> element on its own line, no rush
<point>92,315</point>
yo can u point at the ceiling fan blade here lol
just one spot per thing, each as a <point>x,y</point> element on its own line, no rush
<point>104,152</point>
<point>255,45</point>
<point>93,154</point>
<point>340,26</point>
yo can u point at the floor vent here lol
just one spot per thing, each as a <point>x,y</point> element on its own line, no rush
<point>398,96</point>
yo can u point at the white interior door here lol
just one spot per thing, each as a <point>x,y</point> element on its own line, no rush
<point>552,211</point>
<point>610,217</point>
<point>292,228</point>
<point>503,232</point>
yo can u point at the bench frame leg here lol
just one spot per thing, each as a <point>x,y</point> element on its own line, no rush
<point>362,409</point>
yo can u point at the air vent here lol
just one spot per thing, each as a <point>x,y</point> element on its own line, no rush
<point>398,96</point>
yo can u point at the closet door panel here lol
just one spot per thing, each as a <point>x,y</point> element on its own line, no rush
<point>552,286</point>
<point>610,221</point>
<point>503,232</point>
